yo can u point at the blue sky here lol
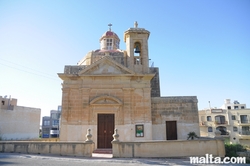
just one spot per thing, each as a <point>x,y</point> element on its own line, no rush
<point>202,48</point>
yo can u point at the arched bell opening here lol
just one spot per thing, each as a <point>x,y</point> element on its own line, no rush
<point>137,54</point>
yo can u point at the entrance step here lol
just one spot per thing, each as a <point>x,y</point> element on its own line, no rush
<point>103,151</point>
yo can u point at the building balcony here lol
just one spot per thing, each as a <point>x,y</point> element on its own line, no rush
<point>225,134</point>
<point>54,132</point>
<point>223,123</point>
<point>245,135</point>
<point>244,122</point>
<point>207,123</point>
<point>245,132</point>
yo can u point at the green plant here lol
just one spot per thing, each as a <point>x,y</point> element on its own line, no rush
<point>232,149</point>
<point>192,135</point>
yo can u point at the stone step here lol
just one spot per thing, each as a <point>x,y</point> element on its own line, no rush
<point>103,151</point>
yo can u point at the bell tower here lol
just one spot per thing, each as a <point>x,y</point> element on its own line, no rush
<point>136,40</point>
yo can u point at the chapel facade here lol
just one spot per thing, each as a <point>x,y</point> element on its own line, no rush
<point>113,88</point>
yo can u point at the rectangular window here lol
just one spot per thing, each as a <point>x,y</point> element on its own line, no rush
<point>55,122</point>
<point>46,123</point>
<point>109,44</point>
<point>209,118</point>
<point>243,119</point>
<point>210,129</point>
<point>117,44</point>
<point>236,107</point>
<point>139,131</point>
<point>229,107</point>
<point>245,130</point>
<point>235,129</point>
<point>59,108</point>
<point>55,115</point>
<point>233,117</point>
<point>242,107</point>
<point>220,119</point>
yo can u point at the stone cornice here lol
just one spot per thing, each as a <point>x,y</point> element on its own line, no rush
<point>75,77</point>
<point>137,31</point>
<point>105,59</point>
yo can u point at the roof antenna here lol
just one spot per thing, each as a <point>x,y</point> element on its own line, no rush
<point>109,26</point>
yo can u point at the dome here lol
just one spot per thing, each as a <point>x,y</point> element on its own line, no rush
<point>109,34</point>
<point>109,40</point>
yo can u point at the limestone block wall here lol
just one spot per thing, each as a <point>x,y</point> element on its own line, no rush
<point>183,110</point>
<point>20,123</point>
<point>48,148</point>
<point>128,98</point>
<point>155,82</point>
<point>94,56</point>
<point>177,148</point>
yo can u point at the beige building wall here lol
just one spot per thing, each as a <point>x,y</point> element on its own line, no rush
<point>207,120</point>
<point>237,122</point>
<point>126,96</point>
<point>240,127</point>
<point>19,123</point>
<point>183,110</point>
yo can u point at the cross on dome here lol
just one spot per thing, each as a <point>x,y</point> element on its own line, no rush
<point>109,26</point>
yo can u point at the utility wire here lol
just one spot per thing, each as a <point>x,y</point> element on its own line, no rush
<point>26,67</point>
<point>49,77</point>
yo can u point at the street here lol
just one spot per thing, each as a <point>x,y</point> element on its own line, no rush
<point>13,159</point>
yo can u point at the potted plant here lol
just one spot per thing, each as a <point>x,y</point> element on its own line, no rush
<point>192,135</point>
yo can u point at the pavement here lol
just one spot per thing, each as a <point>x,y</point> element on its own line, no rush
<point>13,159</point>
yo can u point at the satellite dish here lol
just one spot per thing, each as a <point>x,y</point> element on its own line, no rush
<point>236,102</point>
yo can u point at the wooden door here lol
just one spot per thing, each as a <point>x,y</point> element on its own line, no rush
<point>171,130</point>
<point>105,130</point>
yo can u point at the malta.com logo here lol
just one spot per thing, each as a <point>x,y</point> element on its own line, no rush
<point>209,159</point>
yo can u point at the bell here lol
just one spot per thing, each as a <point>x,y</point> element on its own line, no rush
<point>137,49</point>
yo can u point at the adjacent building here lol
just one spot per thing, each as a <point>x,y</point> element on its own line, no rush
<point>113,88</point>
<point>50,124</point>
<point>232,120</point>
<point>18,122</point>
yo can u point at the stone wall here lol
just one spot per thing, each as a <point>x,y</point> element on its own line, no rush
<point>55,148</point>
<point>127,97</point>
<point>182,109</point>
<point>93,56</point>
<point>155,82</point>
<point>21,123</point>
<point>169,148</point>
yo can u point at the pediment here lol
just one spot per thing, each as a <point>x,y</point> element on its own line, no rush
<point>105,100</point>
<point>105,66</point>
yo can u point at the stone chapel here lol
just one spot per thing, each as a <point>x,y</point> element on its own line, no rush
<point>113,88</point>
